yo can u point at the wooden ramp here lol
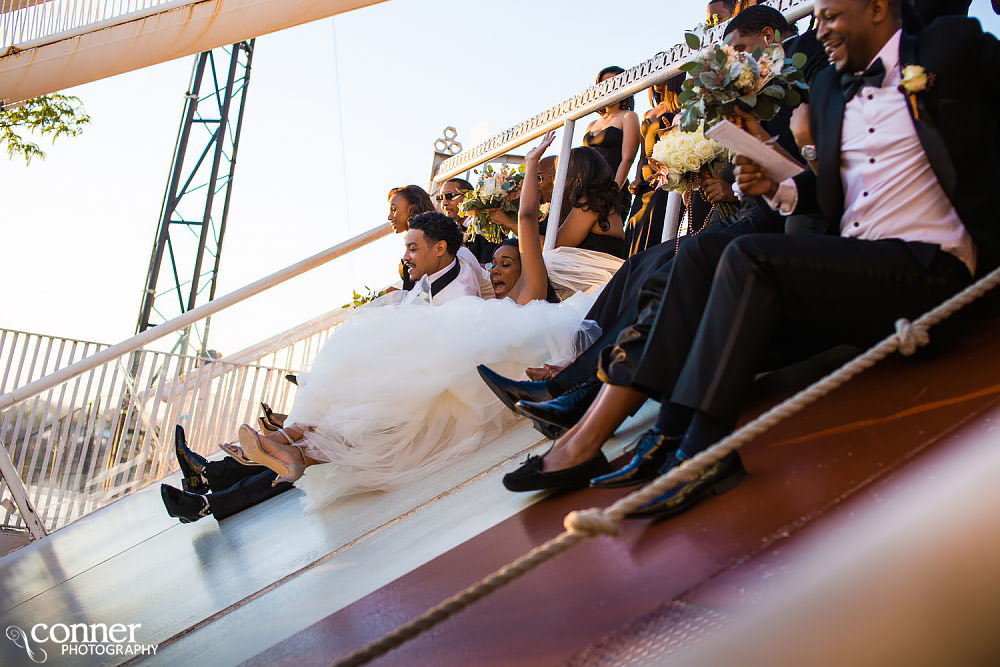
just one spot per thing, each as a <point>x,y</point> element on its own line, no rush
<point>894,427</point>
<point>274,585</point>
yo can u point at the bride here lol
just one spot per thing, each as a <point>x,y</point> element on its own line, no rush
<point>394,394</point>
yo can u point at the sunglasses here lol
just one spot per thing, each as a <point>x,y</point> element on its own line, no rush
<point>450,195</point>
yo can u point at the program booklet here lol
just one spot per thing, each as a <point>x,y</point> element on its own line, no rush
<point>775,165</point>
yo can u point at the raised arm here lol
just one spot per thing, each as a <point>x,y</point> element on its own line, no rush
<point>534,279</point>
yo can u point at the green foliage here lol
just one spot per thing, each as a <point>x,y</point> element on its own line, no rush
<point>53,115</point>
<point>722,80</point>
<point>361,299</point>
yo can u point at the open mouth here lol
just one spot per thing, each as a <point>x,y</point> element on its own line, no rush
<point>834,51</point>
<point>499,286</point>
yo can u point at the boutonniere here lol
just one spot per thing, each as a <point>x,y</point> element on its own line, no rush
<point>915,80</point>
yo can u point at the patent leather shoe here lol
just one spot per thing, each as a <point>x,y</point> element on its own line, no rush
<point>714,480</point>
<point>192,464</point>
<point>511,391</point>
<point>563,411</point>
<point>531,477</point>
<point>188,507</point>
<point>652,451</point>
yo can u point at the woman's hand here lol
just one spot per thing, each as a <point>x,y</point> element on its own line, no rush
<point>538,151</point>
<point>498,217</point>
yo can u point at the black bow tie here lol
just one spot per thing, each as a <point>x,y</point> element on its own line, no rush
<point>851,83</point>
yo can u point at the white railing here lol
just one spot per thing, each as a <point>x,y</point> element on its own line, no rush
<point>26,23</point>
<point>109,431</point>
<point>97,428</point>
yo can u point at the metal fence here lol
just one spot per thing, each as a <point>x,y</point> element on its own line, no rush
<point>28,22</point>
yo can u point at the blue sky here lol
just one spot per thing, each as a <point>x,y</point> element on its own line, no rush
<point>79,225</point>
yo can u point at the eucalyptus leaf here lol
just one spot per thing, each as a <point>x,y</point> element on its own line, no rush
<point>690,66</point>
<point>799,60</point>
<point>692,39</point>
<point>793,98</point>
<point>719,56</point>
<point>749,100</point>
<point>774,91</point>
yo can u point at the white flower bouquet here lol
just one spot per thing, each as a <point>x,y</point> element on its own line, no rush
<point>498,190</point>
<point>681,156</point>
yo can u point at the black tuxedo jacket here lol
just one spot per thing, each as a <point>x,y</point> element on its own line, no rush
<point>958,126</point>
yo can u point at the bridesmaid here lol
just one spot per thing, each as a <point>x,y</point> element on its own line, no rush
<point>615,135</point>
<point>644,227</point>
<point>404,203</point>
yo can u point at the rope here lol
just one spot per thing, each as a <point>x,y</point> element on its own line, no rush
<point>580,525</point>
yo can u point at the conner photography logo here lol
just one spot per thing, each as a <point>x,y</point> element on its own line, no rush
<point>43,640</point>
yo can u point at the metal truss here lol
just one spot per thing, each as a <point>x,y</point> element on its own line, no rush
<point>192,221</point>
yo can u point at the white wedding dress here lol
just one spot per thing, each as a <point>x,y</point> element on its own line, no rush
<point>394,393</point>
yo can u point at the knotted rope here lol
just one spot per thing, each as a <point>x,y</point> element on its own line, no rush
<point>581,525</point>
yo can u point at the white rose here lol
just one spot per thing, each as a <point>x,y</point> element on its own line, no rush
<point>692,162</point>
<point>490,187</point>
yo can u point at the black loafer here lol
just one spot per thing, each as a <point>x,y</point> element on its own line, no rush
<point>563,411</point>
<point>653,451</point>
<point>188,507</point>
<point>530,477</point>
<point>511,391</point>
<point>714,480</point>
<point>192,464</point>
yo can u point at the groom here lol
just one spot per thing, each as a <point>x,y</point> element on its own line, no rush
<point>433,242</point>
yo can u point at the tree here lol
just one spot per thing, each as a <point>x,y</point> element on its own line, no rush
<point>54,115</point>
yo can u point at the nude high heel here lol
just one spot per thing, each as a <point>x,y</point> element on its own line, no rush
<point>287,472</point>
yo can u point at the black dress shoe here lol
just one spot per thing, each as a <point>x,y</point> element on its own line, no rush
<point>714,480</point>
<point>530,477</point>
<point>550,431</point>
<point>511,391</point>
<point>188,507</point>
<point>653,451</point>
<point>192,464</point>
<point>563,411</point>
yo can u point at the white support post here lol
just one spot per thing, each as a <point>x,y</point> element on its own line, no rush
<point>17,490</point>
<point>555,208</point>
<point>672,217</point>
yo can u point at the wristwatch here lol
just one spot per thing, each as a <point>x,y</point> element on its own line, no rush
<point>809,152</point>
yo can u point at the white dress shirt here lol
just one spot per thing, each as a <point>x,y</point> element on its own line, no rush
<point>466,283</point>
<point>890,189</point>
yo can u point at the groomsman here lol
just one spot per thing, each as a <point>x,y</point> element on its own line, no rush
<point>907,155</point>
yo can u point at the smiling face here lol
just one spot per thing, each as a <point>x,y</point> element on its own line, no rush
<point>399,213</point>
<point>720,10</point>
<point>506,270</point>
<point>546,178</point>
<point>853,31</point>
<point>450,206</point>
<point>423,257</point>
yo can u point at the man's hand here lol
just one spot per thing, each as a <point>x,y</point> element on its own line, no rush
<point>717,190</point>
<point>799,124</point>
<point>751,179</point>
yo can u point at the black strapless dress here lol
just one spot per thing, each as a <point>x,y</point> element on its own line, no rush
<point>644,224</point>
<point>609,245</point>
<point>607,142</point>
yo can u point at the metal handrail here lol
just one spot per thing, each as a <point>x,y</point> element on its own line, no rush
<point>188,318</point>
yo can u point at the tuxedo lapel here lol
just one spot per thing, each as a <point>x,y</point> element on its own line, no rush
<point>829,184</point>
<point>927,132</point>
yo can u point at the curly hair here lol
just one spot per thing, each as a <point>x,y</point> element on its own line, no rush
<point>590,186</point>
<point>438,227</point>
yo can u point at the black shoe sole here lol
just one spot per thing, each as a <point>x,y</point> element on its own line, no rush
<point>550,431</point>
<point>632,481</point>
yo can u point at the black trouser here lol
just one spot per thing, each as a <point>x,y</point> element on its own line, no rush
<point>727,298</point>
<point>236,487</point>
<point>633,293</point>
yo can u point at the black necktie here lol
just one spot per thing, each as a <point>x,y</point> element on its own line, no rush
<point>851,83</point>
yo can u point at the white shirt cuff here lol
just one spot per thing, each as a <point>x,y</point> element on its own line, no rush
<point>786,198</point>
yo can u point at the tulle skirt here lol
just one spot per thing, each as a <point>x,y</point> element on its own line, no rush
<point>394,394</point>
